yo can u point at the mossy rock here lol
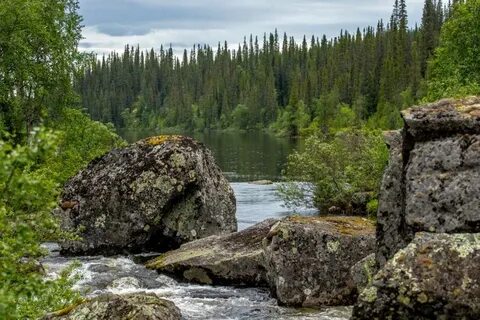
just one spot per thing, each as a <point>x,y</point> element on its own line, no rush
<point>136,306</point>
<point>437,276</point>
<point>308,259</point>
<point>153,195</point>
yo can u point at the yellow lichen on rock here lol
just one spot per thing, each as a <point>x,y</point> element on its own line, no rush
<point>158,140</point>
<point>343,225</point>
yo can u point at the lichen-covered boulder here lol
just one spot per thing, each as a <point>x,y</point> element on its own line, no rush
<point>363,272</point>
<point>308,259</point>
<point>136,306</point>
<point>432,182</point>
<point>152,195</point>
<point>437,276</point>
<point>234,259</point>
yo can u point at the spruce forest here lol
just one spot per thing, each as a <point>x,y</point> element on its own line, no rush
<point>272,82</point>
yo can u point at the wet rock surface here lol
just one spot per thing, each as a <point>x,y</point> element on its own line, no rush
<point>152,195</point>
<point>437,276</point>
<point>235,259</point>
<point>308,259</point>
<point>136,306</point>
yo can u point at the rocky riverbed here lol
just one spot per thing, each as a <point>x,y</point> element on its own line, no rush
<point>121,274</point>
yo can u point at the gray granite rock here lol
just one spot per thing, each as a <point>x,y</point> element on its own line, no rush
<point>308,259</point>
<point>432,182</point>
<point>437,276</point>
<point>152,195</point>
<point>234,259</point>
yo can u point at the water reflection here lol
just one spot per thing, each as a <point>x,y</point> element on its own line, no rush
<point>243,156</point>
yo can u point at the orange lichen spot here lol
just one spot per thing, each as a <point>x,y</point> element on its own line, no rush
<point>69,204</point>
<point>158,140</point>
<point>425,261</point>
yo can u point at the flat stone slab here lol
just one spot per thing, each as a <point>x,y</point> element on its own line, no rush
<point>445,117</point>
<point>234,259</point>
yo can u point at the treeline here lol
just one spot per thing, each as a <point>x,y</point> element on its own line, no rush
<point>274,82</point>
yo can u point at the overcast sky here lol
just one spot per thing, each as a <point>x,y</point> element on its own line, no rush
<point>110,24</point>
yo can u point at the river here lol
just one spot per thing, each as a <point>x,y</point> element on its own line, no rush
<point>243,157</point>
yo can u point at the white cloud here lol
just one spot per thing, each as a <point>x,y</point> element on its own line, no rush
<point>151,23</point>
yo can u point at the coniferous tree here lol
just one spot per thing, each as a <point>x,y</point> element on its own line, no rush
<point>376,71</point>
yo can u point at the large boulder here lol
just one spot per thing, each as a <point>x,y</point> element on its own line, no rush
<point>308,259</point>
<point>433,180</point>
<point>437,276</point>
<point>235,259</point>
<point>152,195</point>
<point>136,306</point>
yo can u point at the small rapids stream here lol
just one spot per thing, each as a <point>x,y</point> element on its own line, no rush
<point>122,274</point>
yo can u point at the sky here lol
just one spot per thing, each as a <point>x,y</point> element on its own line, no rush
<point>111,24</point>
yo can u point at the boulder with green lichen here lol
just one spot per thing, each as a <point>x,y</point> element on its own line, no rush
<point>432,182</point>
<point>136,306</point>
<point>308,259</point>
<point>152,195</point>
<point>437,276</point>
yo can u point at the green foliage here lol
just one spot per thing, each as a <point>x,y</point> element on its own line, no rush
<point>334,168</point>
<point>240,117</point>
<point>372,207</point>
<point>38,42</point>
<point>27,196</point>
<point>292,121</point>
<point>455,68</point>
<point>80,141</point>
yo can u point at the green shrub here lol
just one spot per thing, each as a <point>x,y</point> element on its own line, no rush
<point>27,197</point>
<point>333,169</point>
<point>80,141</point>
<point>372,207</point>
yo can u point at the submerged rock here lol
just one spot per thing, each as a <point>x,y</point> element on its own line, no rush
<point>152,195</point>
<point>262,182</point>
<point>309,259</point>
<point>137,306</point>
<point>235,259</point>
<point>437,276</point>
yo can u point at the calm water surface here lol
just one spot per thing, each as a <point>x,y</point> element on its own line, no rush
<point>243,157</point>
